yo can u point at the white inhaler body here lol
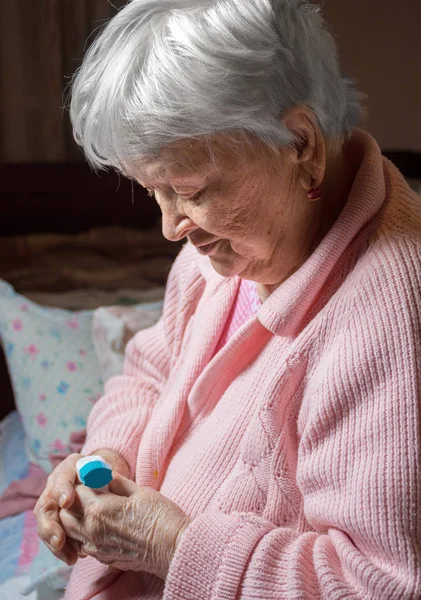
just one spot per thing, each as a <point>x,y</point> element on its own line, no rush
<point>94,472</point>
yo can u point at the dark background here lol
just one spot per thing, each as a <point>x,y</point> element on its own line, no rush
<point>42,42</point>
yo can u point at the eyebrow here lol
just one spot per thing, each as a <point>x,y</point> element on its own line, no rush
<point>178,182</point>
<point>178,176</point>
<point>193,182</point>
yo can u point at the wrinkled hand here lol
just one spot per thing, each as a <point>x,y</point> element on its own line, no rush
<point>60,491</point>
<point>132,528</point>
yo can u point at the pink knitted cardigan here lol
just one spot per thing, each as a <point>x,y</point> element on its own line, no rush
<point>295,449</point>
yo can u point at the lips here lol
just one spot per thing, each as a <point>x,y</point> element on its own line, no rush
<point>207,248</point>
<point>202,245</point>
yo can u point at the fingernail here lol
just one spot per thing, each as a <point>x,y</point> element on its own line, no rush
<point>54,542</point>
<point>63,500</point>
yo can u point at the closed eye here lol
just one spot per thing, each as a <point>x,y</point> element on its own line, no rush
<point>196,198</point>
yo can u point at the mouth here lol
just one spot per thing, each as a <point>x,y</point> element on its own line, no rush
<point>207,249</point>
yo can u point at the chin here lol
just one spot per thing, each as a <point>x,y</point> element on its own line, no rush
<point>228,266</point>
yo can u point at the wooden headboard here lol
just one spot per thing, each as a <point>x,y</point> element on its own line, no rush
<point>69,198</point>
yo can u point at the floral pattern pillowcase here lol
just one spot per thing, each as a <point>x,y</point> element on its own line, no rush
<point>54,371</point>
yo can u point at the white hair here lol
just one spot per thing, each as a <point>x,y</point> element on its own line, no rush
<point>167,70</point>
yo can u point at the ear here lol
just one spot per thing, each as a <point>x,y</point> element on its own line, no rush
<point>308,150</point>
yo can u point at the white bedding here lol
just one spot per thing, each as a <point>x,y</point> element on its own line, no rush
<point>11,589</point>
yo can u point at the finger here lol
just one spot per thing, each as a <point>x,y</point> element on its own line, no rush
<point>117,462</point>
<point>64,480</point>
<point>77,547</point>
<point>49,526</point>
<point>71,525</point>
<point>76,509</point>
<point>85,497</point>
<point>121,486</point>
<point>67,554</point>
<point>51,532</point>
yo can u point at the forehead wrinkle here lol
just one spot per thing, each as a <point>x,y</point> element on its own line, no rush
<point>191,162</point>
<point>177,176</point>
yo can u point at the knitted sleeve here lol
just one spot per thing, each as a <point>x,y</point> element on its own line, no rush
<point>118,419</point>
<point>358,468</point>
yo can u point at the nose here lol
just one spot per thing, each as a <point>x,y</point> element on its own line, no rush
<point>176,225</point>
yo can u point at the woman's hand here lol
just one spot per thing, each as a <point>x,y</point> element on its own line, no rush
<point>132,528</point>
<point>60,491</point>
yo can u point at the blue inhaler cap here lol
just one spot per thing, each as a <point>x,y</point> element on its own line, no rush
<point>95,474</point>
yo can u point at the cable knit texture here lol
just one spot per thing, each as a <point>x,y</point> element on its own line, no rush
<point>293,442</point>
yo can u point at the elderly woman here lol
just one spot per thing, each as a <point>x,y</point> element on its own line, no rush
<point>265,434</point>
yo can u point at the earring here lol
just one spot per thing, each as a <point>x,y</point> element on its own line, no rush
<point>314,193</point>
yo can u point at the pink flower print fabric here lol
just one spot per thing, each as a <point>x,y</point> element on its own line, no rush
<point>17,325</point>
<point>32,351</point>
<point>54,370</point>
<point>73,323</point>
<point>41,419</point>
<point>58,446</point>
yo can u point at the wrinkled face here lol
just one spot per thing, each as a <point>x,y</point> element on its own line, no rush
<point>244,201</point>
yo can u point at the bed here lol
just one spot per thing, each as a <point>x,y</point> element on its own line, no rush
<point>72,245</point>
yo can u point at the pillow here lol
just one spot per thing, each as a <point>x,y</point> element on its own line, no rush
<point>114,326</point>
<point>54,371</point>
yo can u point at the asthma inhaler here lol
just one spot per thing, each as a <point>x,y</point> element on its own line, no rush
<point>94,472</point>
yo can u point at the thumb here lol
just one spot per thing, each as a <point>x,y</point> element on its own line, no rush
<point>121,486</point>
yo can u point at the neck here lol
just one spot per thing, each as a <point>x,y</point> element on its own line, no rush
<point>323,213</point>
